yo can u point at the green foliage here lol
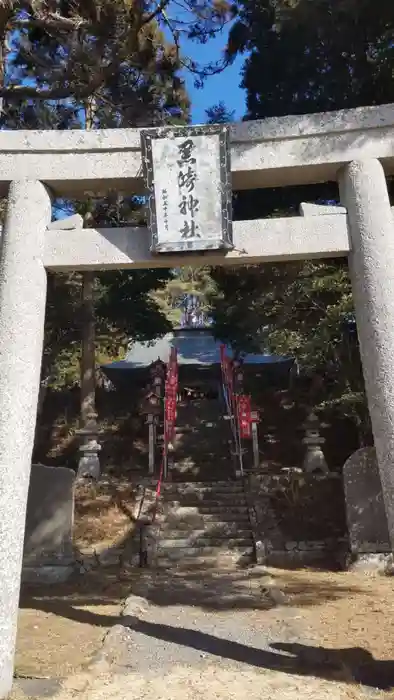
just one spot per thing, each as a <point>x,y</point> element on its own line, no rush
<point>124,309</point>
<point>125,299</point>
<point>304,56</point>
<point>292,309</point>
<point>219,114</point>
<point>93,65</point>
<point>184,281</point>
<point>311,56</point>
<point>300,310</point>
<point>71,50</point>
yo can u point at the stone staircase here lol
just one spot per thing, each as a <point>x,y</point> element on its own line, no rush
<point>202,443</point>
<point>204,523</point>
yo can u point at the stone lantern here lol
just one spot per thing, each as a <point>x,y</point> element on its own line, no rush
<point>314,460</point>
<point>157,372</point>
<point>151,406</point>
<point>89,450</point>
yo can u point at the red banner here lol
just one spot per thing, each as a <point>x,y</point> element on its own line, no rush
<point>171,391</point>
<point>228,379</point>
<point>170,417</point>
<point>244,416</point>
<point>170,409</point>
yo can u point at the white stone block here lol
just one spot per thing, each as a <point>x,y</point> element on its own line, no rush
<point>275,152</point>
<point>309,209</point>
<point>256,241</point>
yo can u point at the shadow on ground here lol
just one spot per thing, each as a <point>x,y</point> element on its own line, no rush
<point>225,590</point>
<point>209,589</point>
<point>213,591</point>
<point>352,665</point>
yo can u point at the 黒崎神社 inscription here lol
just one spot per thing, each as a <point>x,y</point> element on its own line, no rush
<point>188,179</point>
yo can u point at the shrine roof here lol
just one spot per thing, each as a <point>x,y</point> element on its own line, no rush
<point>195,346</point>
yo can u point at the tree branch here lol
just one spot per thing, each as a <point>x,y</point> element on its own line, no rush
<point>50,22</point>
<point>159,9</point>
<point>80,92</point>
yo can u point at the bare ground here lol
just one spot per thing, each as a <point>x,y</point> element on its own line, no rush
<point>347,617</point>
<point>350,616</point>
<point>104,514</point>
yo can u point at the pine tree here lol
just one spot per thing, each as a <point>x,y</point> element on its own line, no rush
<point>139,85</point>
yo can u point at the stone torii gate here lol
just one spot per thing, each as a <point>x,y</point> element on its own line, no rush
<point>354,147</point>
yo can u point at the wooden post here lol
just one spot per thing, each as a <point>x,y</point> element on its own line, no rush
<point>151,444</point>
<point>256,452</point>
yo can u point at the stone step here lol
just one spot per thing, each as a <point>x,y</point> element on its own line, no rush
<point>207,491</point>
<point>191,501</point>
<point>217,531</point>
<point>207,543</point>
<point>178,553</point>
<point>203,482</point>
<point>198,522</point>
<point>205,505</point>
<point>216,510</point>
<point>207,494</point>
<point>222,562</point>
<point>214,487</point>
<point>195,430</point>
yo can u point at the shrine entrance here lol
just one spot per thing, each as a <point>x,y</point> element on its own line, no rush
<point>196,392</point>
<point>207,385</point>
<point>189,175</point>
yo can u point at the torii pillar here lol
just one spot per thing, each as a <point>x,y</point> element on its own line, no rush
<point>22,313</point>
<point>364,192</point>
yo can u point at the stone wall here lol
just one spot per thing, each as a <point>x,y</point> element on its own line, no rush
<point>298,518</point>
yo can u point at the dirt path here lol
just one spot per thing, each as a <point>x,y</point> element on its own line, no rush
<point>349,618</point>
<point>60,655</point>
<point>222,634</point>
<point>218,635</point>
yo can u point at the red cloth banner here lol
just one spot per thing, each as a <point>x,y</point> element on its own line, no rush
<point>171,391</point>
<point>244,416</point>
<point>170,416</point>
<point>170,409</point>
<point>227,376</point>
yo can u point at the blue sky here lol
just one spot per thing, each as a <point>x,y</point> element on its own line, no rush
<point>222,87</point>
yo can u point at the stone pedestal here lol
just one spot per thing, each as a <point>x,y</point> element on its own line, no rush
<point>371,262</point>
<point>22,314</point>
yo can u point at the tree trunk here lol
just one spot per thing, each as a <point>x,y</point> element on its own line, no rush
<point>6,13</point>
<point>89,450</point>
<point>88,359</point>
<point>89,463</point>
